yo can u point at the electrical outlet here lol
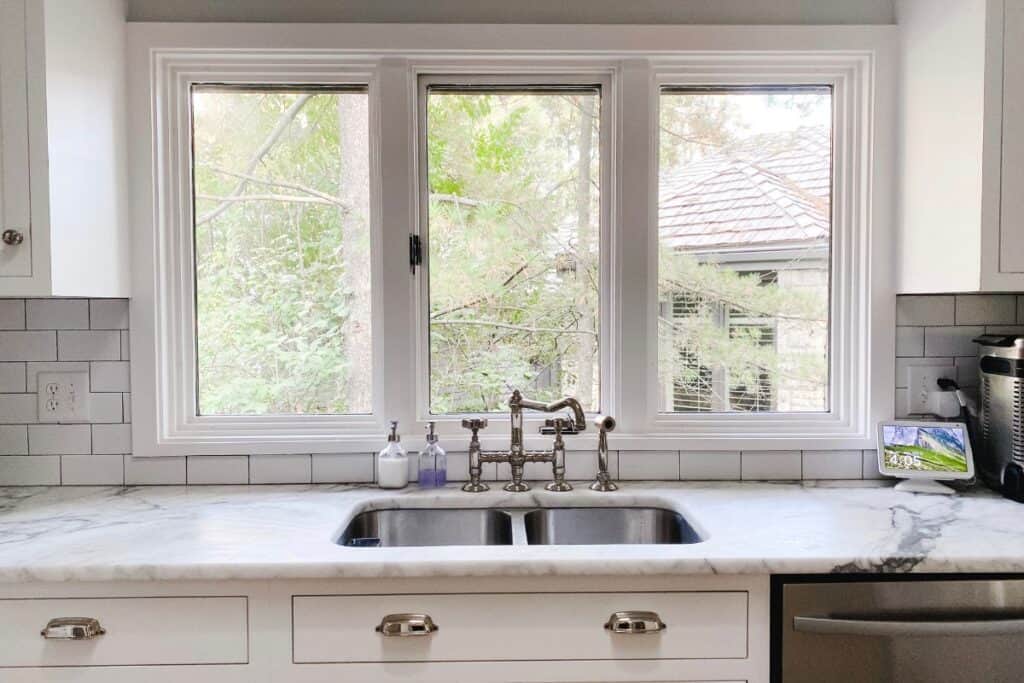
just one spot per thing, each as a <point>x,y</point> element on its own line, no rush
<point>922,383</point>
<point>63,396</point>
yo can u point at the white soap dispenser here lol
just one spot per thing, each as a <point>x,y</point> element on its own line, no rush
<point>392,462</point>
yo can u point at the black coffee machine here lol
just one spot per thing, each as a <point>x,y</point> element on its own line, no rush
<point>999,435</point>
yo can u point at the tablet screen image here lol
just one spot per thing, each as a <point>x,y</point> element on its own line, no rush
<point>919,448</point>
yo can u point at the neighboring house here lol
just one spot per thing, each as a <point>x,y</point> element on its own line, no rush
<point>760,208</point>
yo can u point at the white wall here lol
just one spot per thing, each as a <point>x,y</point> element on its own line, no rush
<point>522,11</point>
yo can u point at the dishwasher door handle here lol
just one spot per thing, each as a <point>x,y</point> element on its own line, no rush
<point>912,628</point>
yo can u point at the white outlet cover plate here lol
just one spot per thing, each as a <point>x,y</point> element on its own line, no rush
<point>922,382</point>
<point>63,396</point>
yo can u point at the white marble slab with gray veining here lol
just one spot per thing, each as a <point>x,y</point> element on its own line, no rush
<point>288,532</point>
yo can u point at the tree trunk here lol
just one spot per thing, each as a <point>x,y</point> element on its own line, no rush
<point>585,343</point>
<point>354,192</point>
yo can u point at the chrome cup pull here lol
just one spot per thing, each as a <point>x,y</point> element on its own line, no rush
<point>404,625</point>
<point>638,622</point>
<point>72,628</point>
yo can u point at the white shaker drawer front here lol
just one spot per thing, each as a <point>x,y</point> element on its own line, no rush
<point>135,631</point>
<point>517,626</point>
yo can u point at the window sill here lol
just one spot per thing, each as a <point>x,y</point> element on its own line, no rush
<point>365,443</point>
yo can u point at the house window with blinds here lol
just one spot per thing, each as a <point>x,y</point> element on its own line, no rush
<point>744,231</point>
<point>704,385</point>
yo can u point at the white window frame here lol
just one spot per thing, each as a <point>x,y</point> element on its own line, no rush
<point>165,58</point>
<point>852,264</point>
<point>503,73</point>
<point>170,391</point>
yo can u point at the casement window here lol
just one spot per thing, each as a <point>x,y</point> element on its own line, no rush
<point>513,227</point>
<point>281,192</point>
<point>690,235</point>
<point>745,180</point>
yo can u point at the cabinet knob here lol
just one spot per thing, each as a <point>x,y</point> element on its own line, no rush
<point>12,237</point>
<point>635,622</point>
<point>72,628</point>
<point>402,625</point>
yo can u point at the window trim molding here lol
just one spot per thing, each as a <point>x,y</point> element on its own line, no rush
<point>167,398</point>
<point>854,405</point>
<point>162,54</point>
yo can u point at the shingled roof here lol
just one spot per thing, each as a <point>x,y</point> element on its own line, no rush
<point>766,192</point>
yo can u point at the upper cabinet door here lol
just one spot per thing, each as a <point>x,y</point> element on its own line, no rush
<point>15,245</point>
<point>1011,218</point>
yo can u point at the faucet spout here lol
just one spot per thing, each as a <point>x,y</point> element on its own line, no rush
<point>578,417</point>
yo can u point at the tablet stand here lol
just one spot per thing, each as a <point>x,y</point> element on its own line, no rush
<point>923,486</point>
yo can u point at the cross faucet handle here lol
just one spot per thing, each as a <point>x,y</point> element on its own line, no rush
<point>475,424</point>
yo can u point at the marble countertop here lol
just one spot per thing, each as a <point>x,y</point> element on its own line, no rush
<point>288,532</point>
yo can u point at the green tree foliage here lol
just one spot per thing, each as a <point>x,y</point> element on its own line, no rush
<point>273,310</point>
<point>513,247</point>
<point>282,253</point>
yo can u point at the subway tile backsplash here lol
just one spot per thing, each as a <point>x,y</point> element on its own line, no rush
<point>64,335</point>
<point>939,329</point>
<point>82,335</point>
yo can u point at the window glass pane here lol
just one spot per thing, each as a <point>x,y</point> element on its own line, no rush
<point>282,251</point>
<point>744,226</point>
<point>513,238</point>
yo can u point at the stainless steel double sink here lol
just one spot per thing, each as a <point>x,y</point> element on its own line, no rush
<point>540,526</point>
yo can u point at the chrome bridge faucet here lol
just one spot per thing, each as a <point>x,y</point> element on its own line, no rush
<point>517,456</point>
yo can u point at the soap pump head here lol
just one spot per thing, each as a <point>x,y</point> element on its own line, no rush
<point>431,436</point>
<point>393,436</point>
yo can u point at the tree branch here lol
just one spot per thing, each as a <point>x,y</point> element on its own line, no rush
<point>279,128</point>
<point>455,199</point>
<point>684,138</point>
<point>485,297</point>
<point>278,183</point>
<point>294,198</point>
<point>509,326</point>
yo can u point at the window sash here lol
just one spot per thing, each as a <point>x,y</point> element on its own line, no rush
<point>257,89</point>
<point>529,77</point>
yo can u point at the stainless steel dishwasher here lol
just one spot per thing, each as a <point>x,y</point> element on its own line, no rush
<point>909,630</point>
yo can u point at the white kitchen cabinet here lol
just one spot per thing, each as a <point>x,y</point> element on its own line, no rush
<point>538,629</point>
<point>962,146</point>
<point>63,227</point>
<point>542,626</point>
<point>157,631</point>
<point>14,190</point>
<point>1011,197</point>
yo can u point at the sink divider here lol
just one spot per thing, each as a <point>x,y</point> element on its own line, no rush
<point>518,520</point>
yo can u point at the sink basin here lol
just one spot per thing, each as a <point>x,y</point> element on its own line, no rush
<point>428,527</point>
<point>607,526</point>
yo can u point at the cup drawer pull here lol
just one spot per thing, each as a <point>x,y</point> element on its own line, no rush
<point>402,625</point>
<point>635,622</point>
<point>72,628</point>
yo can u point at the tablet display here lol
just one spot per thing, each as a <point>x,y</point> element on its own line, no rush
<point>937,450</point>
